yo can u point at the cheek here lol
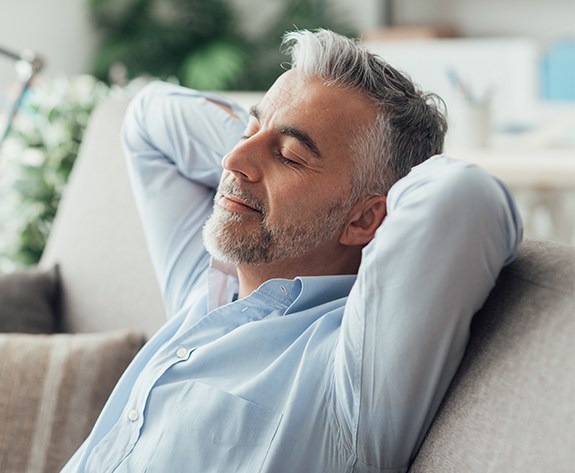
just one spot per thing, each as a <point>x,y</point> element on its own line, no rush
<point>302,200</point>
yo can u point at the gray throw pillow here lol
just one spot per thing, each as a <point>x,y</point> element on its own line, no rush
<point>28,301</point>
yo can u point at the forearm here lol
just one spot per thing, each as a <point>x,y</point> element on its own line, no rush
<point>181,126</point>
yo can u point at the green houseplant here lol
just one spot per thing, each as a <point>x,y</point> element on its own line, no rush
<point>195,41</point>
<point>265,60</point>
<point>200,42</point>
<point>36,160</point>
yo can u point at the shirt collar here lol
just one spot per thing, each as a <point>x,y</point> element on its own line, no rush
<point>318,290</point>
<point>288,295</point>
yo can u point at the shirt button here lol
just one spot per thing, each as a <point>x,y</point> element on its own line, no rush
<point>181,353</point>
<point>133,415</point>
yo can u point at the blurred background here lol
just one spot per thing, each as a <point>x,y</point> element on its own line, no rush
<point>505,69</point>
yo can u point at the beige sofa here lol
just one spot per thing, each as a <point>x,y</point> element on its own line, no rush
<point>511,407</point>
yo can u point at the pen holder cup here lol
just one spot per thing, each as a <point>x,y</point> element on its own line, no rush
<point>470,125</point>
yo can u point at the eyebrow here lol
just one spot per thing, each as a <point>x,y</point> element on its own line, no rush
<point>299,135</point>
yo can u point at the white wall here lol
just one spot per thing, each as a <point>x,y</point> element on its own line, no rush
<point>541,19</point>
<point>59,30</point>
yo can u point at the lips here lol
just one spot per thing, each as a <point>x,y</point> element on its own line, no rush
<point>234,198</point>
<point>236,201</point>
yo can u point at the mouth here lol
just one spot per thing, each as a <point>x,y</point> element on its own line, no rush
<point>235,204</point>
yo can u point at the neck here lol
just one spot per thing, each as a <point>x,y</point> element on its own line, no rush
<point>314,264</point>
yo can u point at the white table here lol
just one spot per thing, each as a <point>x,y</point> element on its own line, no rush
<point>539,167</point>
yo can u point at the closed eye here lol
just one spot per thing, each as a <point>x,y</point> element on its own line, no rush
<point>278,155</point>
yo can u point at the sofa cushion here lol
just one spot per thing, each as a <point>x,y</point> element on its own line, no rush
<point>28,301</point>
<point>511,405</point>
<point>52,388</point>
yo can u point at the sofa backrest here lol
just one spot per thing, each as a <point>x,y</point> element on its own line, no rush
<point>511,406</point>
<point>97,239</point>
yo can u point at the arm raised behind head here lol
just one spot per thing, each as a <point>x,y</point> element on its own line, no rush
<point>174,139</point>
<point>449,231</point>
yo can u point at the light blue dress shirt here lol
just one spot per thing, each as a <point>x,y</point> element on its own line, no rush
<point>312,375</point>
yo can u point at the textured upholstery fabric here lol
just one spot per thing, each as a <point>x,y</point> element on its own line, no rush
<point>52,387</point>
<point>511,407</point>
<point>29,301</point>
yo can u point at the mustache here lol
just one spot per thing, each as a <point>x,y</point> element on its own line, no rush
<point>232,189</point>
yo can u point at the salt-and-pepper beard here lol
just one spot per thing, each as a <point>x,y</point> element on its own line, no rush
<point>225,241</point>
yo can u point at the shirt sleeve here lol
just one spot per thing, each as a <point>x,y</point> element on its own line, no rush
<point>174,139</point>
<point>449,231</point>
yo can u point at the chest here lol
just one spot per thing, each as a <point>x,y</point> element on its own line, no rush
<point>237,391</point>
<point>264,361</point>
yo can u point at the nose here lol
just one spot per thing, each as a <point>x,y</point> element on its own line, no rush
<point>244,161</point>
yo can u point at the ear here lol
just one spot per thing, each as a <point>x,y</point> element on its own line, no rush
<point>364,220</point>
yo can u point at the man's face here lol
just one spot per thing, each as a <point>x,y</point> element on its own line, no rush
<point>285,187</point>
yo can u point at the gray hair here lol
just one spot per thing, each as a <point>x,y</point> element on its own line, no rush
<point>409,128</point>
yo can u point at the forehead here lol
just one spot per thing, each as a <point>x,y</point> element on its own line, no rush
<point>330,114</point>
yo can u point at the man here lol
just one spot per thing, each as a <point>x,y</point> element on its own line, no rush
<point>346,264</point>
